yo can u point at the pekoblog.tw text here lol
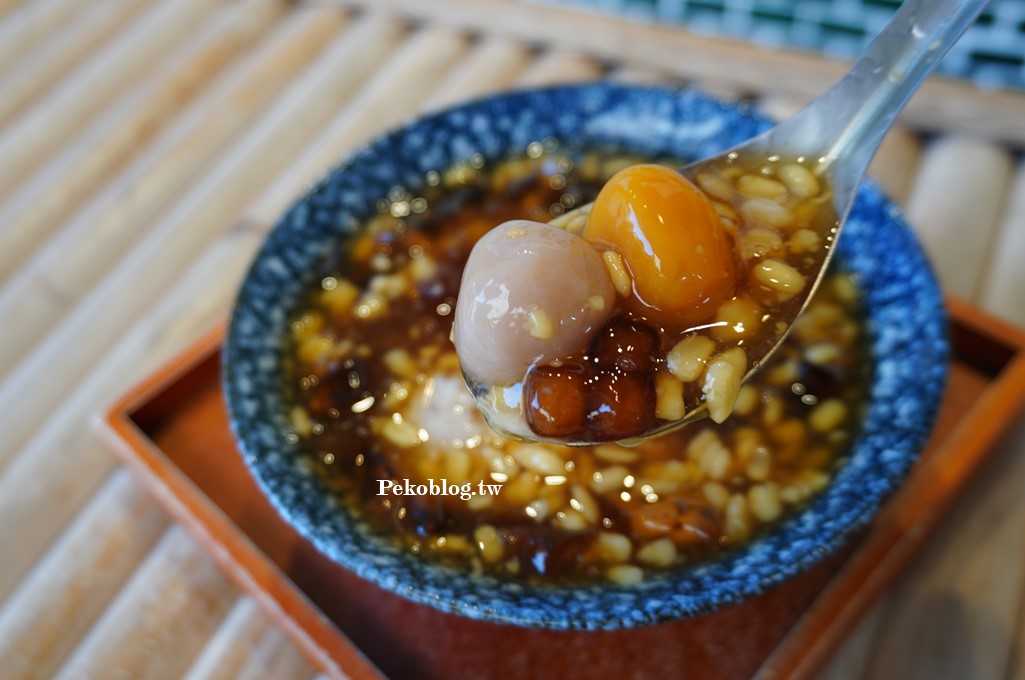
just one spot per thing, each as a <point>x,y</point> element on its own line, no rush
<point>431,487</point>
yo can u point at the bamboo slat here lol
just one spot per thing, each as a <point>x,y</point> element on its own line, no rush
<point>208,207</point>
<point>40,488</point>
<point>129,57</point>
<point>398,90</point>
<point>641,75</point>
<point>66,266</point>
<point>138,116</point>
<point>941,104</point>
<point>202,297</point>
<point>1003,289</point>
<point>376,111</point>
<point>25,483</point>
<point>956,203</point>
<point>43,490</point>
<point>35,22</point>
<point>247,646</point>
<point>490,66</point>
<point>559,66</point>
<point>161,618</point>
<point>73,583</point>
<point>481,72</point>
<point>45,62</point>
<point>7,5</point>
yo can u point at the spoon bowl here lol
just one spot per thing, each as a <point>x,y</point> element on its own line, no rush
<point>831,143</point>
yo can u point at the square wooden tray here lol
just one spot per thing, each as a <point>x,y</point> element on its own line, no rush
<point>172,430</point>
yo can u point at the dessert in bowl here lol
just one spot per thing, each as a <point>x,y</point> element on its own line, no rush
<point>349,406</point>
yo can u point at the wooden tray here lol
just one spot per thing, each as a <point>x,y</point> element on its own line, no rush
<point>173,431</point>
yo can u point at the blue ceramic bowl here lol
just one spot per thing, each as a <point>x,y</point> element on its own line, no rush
<point>907,330</point>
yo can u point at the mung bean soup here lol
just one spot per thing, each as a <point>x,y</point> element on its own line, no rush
<point>379,398</point>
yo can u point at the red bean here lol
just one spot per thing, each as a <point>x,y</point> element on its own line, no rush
<point>625,344</point>
<point>622,405</point>
<point>653,520</point>
<point>556,405</point>
<point>697,526</point>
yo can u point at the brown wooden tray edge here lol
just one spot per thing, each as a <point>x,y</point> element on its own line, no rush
<point>243,562</point>
<point>802,653</point>
<point>896,536</point>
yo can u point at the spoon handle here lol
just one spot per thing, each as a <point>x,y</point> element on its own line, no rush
<point>848,122</point>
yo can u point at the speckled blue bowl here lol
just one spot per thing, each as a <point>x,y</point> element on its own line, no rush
<point>907,335</point>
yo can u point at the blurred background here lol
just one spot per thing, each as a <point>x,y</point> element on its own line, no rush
<point>992,53</point>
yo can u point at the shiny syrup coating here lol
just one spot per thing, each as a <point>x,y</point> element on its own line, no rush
<point>682,261</point>
<point>607,394</point>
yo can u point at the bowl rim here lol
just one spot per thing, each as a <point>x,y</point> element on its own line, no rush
<point>347,541</point>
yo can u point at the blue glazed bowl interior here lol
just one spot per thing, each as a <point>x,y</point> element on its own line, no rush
<point>906,327</point>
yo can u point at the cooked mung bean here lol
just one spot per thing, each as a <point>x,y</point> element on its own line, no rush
<point>625,574</point>
<point>757,185</point>
<point>799,180</point>
<point>779,277</point>
<point>828,415</point>
<point>612,547</point>
<point>764,501</point>
<point>689,357</point>
<point>669,403</point>
<point>659,553</point>
<point>767,211</point>
<point>722,382</point>
<point>617,272</point>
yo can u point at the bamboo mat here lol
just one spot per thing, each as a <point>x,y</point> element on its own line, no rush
<point>145,150</point>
